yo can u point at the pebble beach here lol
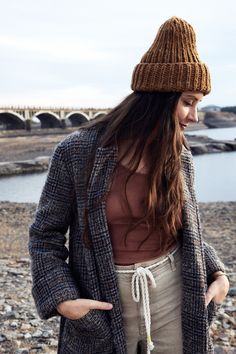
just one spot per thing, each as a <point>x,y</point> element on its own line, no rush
<point>21,329</point>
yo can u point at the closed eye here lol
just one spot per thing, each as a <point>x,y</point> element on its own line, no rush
<point>187,103</point>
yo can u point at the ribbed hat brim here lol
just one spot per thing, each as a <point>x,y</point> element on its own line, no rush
<point>168,77</point>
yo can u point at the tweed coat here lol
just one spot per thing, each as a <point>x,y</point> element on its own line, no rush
<point>62,271</point>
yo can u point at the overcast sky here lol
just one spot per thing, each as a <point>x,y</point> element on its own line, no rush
<point>82,53</point>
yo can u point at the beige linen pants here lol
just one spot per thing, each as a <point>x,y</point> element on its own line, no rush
<point>165,306</point>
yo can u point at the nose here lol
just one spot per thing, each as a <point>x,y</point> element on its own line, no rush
<point>193,115</point>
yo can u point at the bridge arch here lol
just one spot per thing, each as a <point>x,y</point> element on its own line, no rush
<point>77,118</point>
<point>11,120</point>
<point>48,119</point>
<point>99,114</point>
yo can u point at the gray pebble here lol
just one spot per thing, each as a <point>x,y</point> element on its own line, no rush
<point>47,334</point>
<point>35,322</point>
<point>3,338</point>
<point>21,351</point>
<point>37,334</point>
<point>14,324</point>
<point>10,314</point>
<point>232,291</point>
<point>53,342</point>
<point>27,336</point>
<point>7,308</point>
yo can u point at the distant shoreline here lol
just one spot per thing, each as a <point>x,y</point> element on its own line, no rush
<point>31,153</point>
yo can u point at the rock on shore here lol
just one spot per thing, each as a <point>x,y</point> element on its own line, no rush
<point>203,145</point>
<point>220,119</point>
<point>23,332</point>
<point>39,164</point>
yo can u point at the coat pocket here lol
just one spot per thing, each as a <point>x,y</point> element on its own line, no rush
<point>95,323</point>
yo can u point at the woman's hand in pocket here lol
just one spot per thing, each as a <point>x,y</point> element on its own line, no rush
<point>218,289</point>
<point>75,309</point>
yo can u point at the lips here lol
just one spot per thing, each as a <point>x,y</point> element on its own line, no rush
<point>183,125</point>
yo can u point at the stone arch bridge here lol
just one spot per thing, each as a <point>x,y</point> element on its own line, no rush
<point>12,118</point>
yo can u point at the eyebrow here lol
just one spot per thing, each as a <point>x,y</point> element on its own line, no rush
<point>193,97</point>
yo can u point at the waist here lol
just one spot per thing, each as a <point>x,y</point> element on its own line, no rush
<point>152,263</point>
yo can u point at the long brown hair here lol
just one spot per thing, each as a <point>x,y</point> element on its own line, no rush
<point>147,124</point>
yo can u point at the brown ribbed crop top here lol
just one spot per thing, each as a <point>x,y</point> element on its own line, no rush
<point>119,220</point>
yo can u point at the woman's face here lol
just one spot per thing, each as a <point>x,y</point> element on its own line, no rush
<point>186,110</point>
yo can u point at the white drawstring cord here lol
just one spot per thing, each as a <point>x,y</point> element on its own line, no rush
<point>140,277</point>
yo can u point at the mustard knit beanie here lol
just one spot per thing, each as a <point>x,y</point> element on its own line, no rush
<point>172,63</point>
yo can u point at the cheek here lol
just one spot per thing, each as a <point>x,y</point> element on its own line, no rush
<point>181,113</point>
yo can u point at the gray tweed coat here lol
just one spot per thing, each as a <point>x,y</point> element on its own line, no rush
<point>90,272</point>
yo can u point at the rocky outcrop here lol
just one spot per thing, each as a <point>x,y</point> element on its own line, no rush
<point>39,164</point>
<point>220,119</point>
<point>203,145</point>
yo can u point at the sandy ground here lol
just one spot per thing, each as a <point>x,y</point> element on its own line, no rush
<point>28,147</point>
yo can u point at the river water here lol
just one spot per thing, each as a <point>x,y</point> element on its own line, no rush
<point>218,134</point>
<point>215,176</point>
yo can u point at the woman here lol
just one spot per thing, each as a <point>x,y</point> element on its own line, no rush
<point>139,277</point>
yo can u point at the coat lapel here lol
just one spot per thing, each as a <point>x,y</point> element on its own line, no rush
<point>99,185</point>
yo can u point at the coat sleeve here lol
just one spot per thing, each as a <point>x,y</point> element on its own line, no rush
<point>52,279</point>
<point>213,262</point>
